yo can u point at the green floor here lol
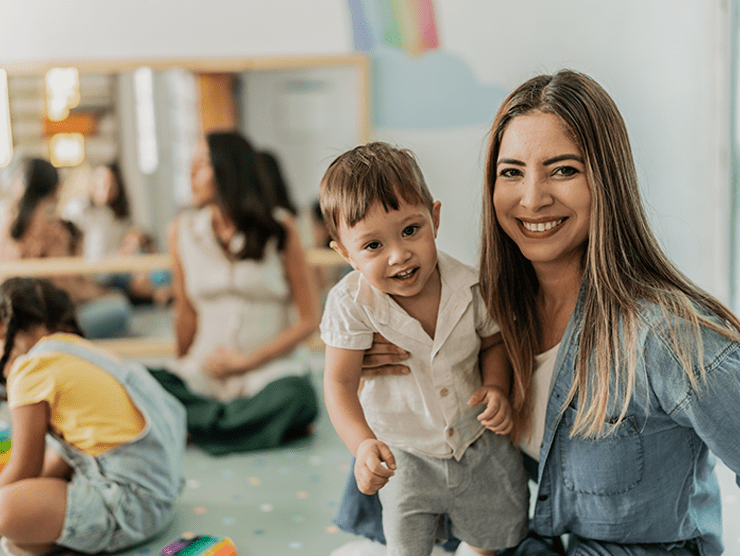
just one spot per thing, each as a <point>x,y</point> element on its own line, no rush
<point>282,502</point>
<point>271,503</point>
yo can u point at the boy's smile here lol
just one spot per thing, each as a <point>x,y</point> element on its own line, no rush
<point>395,251</point>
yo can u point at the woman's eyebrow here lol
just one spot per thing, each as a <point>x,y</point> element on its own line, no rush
<point>562,157</point>
<point>513,161</point>
<point>547,162</point>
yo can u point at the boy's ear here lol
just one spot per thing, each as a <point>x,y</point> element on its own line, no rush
<point>342,252</point>
<point>436,207</point>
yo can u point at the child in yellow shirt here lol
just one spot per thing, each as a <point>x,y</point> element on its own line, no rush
<point>97,443</point>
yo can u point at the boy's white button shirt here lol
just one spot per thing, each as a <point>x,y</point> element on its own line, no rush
<point>426,410</point>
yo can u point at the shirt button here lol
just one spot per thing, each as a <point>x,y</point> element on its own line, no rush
<point>444,392</point>
<point>450,431</point>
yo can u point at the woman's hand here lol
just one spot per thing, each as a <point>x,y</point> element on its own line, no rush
<point>223,363</point>
<point>382,358</point>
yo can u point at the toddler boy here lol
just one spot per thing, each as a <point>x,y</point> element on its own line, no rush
<point>422,437</point>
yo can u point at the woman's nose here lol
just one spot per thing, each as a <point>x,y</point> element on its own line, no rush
<point>535,193</point>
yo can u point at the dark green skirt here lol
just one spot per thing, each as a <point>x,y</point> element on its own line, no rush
<point>279,412</point>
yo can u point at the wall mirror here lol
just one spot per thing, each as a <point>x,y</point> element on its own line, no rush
<point>149,114</point>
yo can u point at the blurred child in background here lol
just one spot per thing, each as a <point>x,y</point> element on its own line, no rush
<point>97,443</point>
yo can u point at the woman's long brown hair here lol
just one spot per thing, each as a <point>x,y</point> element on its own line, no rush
<point>623,263</point>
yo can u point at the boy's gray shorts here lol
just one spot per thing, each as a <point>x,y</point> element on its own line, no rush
<point>485,495</point>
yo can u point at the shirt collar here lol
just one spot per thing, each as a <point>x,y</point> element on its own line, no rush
<point>459,278</point>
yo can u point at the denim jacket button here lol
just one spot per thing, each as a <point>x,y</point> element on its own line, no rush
<point>542,497</point>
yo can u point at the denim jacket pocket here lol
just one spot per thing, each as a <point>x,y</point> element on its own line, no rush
<point>606,466</point>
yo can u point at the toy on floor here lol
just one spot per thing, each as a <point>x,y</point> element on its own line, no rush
<point>201,545</point>
<point>4,444</point>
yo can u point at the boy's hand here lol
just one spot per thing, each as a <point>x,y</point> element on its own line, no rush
<point>497,415</point>
<point>370,473</point>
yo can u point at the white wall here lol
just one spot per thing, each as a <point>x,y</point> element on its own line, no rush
<point>662,60</point>
<point>109,29</point>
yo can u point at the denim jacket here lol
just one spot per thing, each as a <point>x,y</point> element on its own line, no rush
<point>652,479</point>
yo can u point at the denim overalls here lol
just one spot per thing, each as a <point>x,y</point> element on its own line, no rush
<point>125,495</point>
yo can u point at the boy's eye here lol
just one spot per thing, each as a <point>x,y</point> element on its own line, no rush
<point>409,230</point>
<point>372,246</point>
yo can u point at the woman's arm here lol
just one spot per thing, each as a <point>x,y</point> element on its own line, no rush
<point>185,316</point>
<point>710,406</point>
<point>303,292</point>
<point>29,425</point>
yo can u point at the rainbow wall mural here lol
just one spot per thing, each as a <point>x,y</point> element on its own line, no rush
<point>415,83</point>
<point>407,24</point>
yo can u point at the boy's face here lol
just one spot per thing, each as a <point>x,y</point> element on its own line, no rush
<point>395,251</point>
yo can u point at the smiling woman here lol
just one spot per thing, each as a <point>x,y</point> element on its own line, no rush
<point>620,361</point>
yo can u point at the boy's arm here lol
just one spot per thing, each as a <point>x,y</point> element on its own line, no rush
<point>495,375</point>
<point>494,364</point>
<point>341,382</point>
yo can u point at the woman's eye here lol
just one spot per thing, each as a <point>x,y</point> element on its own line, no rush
<point>567,171</point>
<point>409,230</point>
<point>372,246</point>
<point>509,172</point>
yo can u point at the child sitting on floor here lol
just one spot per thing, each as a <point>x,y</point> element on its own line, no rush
<point>96,464</point>
<point>422,437</point>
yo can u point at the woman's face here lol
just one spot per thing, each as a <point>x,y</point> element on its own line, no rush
<point>202,178</point>
<point>541,194</point>
<point>104,186</point>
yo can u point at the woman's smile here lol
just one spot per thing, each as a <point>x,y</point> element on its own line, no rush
<point>540,227</point>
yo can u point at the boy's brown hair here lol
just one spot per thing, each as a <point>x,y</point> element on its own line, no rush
<point>372,172</point>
